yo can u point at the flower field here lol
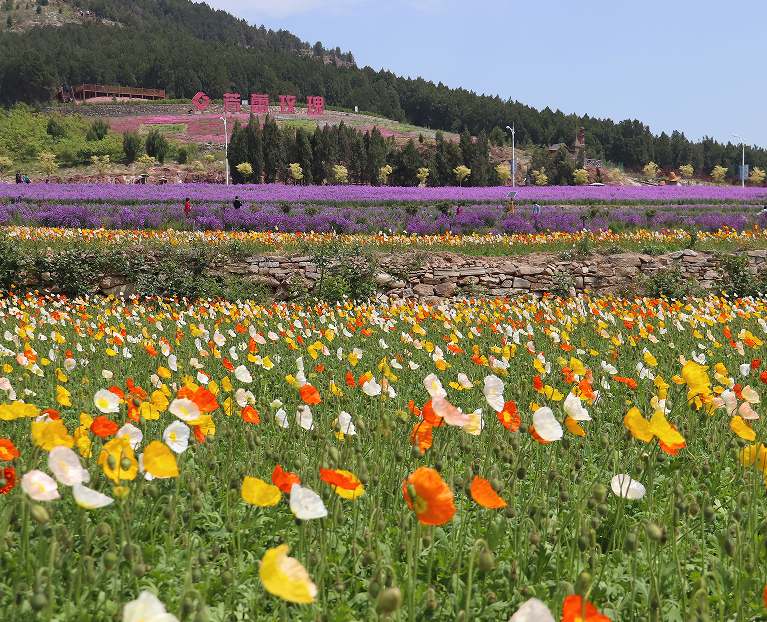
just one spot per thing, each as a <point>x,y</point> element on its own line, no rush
<point>445,462</point>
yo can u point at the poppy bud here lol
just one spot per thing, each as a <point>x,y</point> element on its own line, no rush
<point>604,441</point>
<point>591,503</point>
<point>112,462</point>
<point>564,495</point>
<point>215,551</point>
<point>694,509</point>
<point>339,587</point>
<point>411,492</point>
<point>227,577</point>
<point>705,469</point>
<point>486,560</point>
<point>399,456</point>
<point>631,541</point>
<point>521,473</point>
<point>374,587</point>
<point>380,524</point>
<point>197,504</point>
<point>603,509</point>
<point>578,464</point>
<point>510,511</point>
<point>696,472</point>
<point>708,513</point>
<point>431,604</point>
<point>679,490</point>
<point>743,499</point>
<point>125,464</point>
<point>39,514</point>
<point>416,453</point>
<point>153,490</point>
<point>202,558</point>
<point>185,516</point>
<point>209,438</point>
<point>230,527</point>
<point>201,616</point>
<point>534,538</point>
<point>738,515</point>
<point>661,457</point>
<point>103,530</point>
<point>369,558</point>
<point>594,522</point>
<point>110,560</point>
<point>39,601</point>
<point>599,492</point>
<point>167,512</point>
<point>654,532</point>
<point>390,600</point>
<point>583,584</point>
<point>314,559</point>
<point>364,478</point>
<point>496,484</point>
<point>583,543</point>
<point>729,546</point>
<point>138,570</point>
<point>187,606</point>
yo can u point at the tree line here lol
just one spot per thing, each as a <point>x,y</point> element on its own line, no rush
<point>184,48</point>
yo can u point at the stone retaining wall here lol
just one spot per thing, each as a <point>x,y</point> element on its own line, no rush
<point>430,276</point>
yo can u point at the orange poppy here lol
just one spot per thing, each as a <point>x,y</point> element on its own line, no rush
<point>430,417</point>
<point>319,368</point>
<point>422,435</point>
<point>51,413</point>
<point>284,480</point>
<point>118,392</point>
<point>671,448</point>
<point>538,383</point>
<point>204,399</point>
<point>756,363</point>
<point>134,390</point>
<point>227,364</point>
<point>763,377</point>
<point>737,390</point>
<point>434,500</point>
<point>150,350</point>
<point>310,395</point>
<point>350,379</point>
<point>103,427</point>
<point>8,450</point>
<point>586,389</point>
<point>417,411</point>
<point>336,478</point>
<point>509,417</point>
<point>9,474</point>
<point>482,492</point>
<point>250,415</point>
<point>198,434</point>
<point>573,610</point>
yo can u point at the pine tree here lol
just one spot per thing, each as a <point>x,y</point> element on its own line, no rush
<point>304,156</point>
<point>273,159</point>
<point>237,153</point>
<point>480,168</point>
<point>254,142</point>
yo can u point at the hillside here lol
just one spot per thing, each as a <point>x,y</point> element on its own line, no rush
<point>185,47</point>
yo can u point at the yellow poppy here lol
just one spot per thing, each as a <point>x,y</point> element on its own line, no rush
<point>286,577</point>
<point>257,492</point>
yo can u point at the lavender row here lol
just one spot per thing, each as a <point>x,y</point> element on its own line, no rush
<point>426,219</point>
<point>375,194</point>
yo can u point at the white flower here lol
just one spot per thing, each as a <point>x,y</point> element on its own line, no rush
<point>306,504</point>
<point>464,381</point>
<point>412,365</point>
<point>202,377</point>
<point>745,369</point>
<point>241,397</point>
<point>106,401</point>
<point>184,409</point>
<point>66,467</point>
<point>345,421</point>
<point>371,388</point>
<point>494,393</point>
<point>132,432</point>
<point>574,408</point>
<point>750,395</point>
<point>88,498</point>
<point>610,369</point>
<point>146,608</point>
<point>532,611</point>
<point>173,362</point>
<point>176,436</point>
<point>624,486</point>
<point>275,403</point>
<point>282,418</point>
<point>434,386</point>
<point>70,364</point>
<point>476,423</point>
<point>546,424</point>
<point>304,417</point>
<point>242,374</point>
<point>40,486</point>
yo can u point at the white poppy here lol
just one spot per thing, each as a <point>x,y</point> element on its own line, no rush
<point>750,395</point>
<point>241,397</point>
<point>242,374</point>
<point>306,504</point>
<point>184,409</point>
<point>304,417</point>
<point>448,412</point>
<point>147,608</point>
<point>176,436</point>
<point>173,362</point>
<point>413,365</point>
<point>494,392</point>
<point>532,611</point>
<point>202,377</point>
<point>282,418</point>
<point>88,498</point>
<point>371,388</point>
<point>747,412</point>
<point>574,408</point>
<point>745,369</point>
<point>546,424</point>
<point>395,364</point>
<point>106,401</point>
<point>434,386</point>
<point>275,403</point>
<point>346,424</point>
<point>623,486</point>
<point>133,433</point>
<point>66,467</point>
<point>40,486</point>
<point>730,401</point>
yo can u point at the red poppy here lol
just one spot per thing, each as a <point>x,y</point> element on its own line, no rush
<point>250,415</point>
<point>430,417</point>
<point>310,395</point>
<point>538,383</point>
<point>135,391</point>
<point>350,379</point>
<point>9,474</point>
<point>319,368</point>
<point>198,434</point>
<point>422,435</point>
<point>118,392</point>
<point>763,376</point>
<point>8,450</point>
<point>227,364</point>
<point>755,363</point>
<point>284,480</point>
<point>434,500</point>
<point>737,390</point>
<point>573,610</point>
<point>482,492</point>
<point>204,399</point>
<point>51,413</point>
<point>103,427</point>
<point>334,478</point>
<point>509,417</point>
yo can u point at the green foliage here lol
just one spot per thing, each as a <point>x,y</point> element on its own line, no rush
<point>55,128</point>
<point>172,272</point>
<point>131,145</point>
<point>580,177</point>
<point>11,263</point>
<point>737,280</point>
<point>671,284</point>
<point>156,145</point>
<point>719,173</point>
<point>98,130</point>
<point>346,271</point>
<point>562,168</point>
<point>686,170</point>
<point>562,284</point>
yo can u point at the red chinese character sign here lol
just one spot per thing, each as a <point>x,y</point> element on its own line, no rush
<point>259,104</point>
<point>286,104</point>
<point>231,102</point>
<point>315,105</point>
<point>201,101</point>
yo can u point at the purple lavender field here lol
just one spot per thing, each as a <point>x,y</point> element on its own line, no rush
<point>366,209</point>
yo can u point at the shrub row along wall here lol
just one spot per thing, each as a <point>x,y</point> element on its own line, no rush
<point>431,276</point>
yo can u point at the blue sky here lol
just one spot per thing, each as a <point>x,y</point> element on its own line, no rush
<point>695,66</point>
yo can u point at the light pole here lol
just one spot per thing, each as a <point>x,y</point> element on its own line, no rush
<point>513,159</point>
<point>743,163</point>
<point>226,151</point>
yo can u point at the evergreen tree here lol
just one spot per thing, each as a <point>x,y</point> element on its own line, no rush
<point>304,154</point>
<point>468,149</point>
<point>480,167</point>
<point>237,152</point>
<point>272,146</point>
<point>254,145</point>
<point>376,154</point>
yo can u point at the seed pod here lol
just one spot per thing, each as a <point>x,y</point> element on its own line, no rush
<point>603,509</point>
<point>654,532</point>
<point>399,456</point>
<point>705,469</point>
<point>521,473</point>
<point>509,511</point>
<point>486,560</point>
<point>230,527</point>
<point>339,587</point>
<point>599,492</point>
<point>202,558</point>
<point>583,584</point>
<point>708,513</point>
<point>390,600</point>
<point>426,540</point>
<point>534,538</point>
<point>138,570</point>
<point>380,524</point>
<point>128,552</point>
<point>364,478</point>
<point>167,512</point>
<point>39,601</point>
<point>564,495</point>
<point>578,464</point>
<point>583,543</point>
<point>416,453</point>
<point>369,558</point>
<point>374,587</point>
<point>197,504</point>
<point>112,462</point>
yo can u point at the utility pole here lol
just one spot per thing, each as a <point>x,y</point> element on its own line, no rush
<point>513,159</point>
<point>743,163</point>
<point>226,151</point>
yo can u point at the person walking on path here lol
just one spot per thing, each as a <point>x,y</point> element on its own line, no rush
<point>187,208</point>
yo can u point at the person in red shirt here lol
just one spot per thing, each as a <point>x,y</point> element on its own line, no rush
<point>187,208</point>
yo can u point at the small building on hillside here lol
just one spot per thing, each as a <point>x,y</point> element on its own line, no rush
<point>575,148</point>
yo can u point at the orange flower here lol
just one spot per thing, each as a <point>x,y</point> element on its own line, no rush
<point>51,413</point>
<point>103,427</point>
<point>198,434</point>
<point>538,383</point>
<point>204,399</point>
<point>482,492</point>
<point>310,395</point>
<point>350,379</point>
<point>150,350</point>
<point>134,390</point>
<point>319,368</point>
<point>573,610</point>
<point>284,480</point>
<point>118,392</point>
<point>417,411</point>
<point>433,503</point>
<point>509,417</point>
<point>671,448</point>
<point>338,478</point>
<point>756,363</point>
<point>250,415</point>
<point>227,364</point>
<point>537,436</point>
<point>8,450</point>
<point>9,474</point>
<point>586,389</point>
<point>422,435</point>
<point>763,376</point>
<point>430,417</point>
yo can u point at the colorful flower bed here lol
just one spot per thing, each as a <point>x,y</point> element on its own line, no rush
<point>454,461</point>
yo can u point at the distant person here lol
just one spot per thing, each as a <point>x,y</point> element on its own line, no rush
<point>19,179</point>
<point>536,209</point>
<point>187,208</point>
<point>458,210</point>
<point>236,204</point>
<point>27,180</point>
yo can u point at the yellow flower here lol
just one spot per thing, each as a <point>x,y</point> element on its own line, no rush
<point>62,396</point>
<point>638,425</point>
<point>121,491</point>
<point>741,429</point>
<point>159,460</point>
<point>650,359</point>
<point>83,441</point>
<point>226,384</point>
<point>51,434</point>
<point>754,453</point>
<point>257,492</point>
<point>159,400</point>
<point>163,372</point>
<point>286,577</point>
<point>574,427</point>
<point>118,448</point>
<point>9,412</point>
<point>663,430</point>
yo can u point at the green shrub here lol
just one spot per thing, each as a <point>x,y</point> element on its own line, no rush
<point>156,145</point>
<point>98,130</point>
<point>737,279</point>
<point>11,263</point>
<point>131,145</point>
<point>181,155</point>
<point>55,128</point>
<point>671,284</point>
<point>562,284</point>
